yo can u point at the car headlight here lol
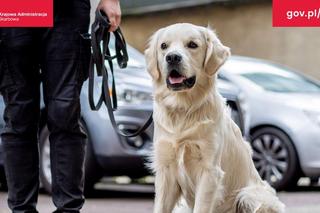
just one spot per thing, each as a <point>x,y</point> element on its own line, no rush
<point>127,94</point>
<point>314,116</point>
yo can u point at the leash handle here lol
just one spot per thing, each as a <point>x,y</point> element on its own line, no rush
<point>100,34</point>
<point>102,18</point>
<point>120,42</point>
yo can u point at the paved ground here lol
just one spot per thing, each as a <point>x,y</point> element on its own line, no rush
<point>139,199</point>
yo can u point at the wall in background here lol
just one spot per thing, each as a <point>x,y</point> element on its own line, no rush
<point>246,29</point>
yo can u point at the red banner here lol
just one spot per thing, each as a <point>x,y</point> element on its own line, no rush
<point>26,13</point>
<point>296,13</point>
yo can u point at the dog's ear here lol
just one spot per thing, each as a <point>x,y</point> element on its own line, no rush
<point>152,56</point>
<point>216,53</point>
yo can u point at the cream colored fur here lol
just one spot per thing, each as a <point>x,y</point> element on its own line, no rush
<point>201,162</point>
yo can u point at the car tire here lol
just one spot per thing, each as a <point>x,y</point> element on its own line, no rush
<point>92,170</point>
<point>275,158</point>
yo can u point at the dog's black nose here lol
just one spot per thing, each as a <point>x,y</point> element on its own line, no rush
<point>173,58</point>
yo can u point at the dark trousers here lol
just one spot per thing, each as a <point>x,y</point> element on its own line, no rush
<point>58,58</point>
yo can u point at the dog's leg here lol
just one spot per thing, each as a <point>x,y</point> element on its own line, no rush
<point>167,191</point>
<point>166,185</point>
<point>209,190</point>
<point>260,198</point>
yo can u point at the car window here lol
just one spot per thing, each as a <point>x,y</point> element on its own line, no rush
<point>272,77</point>
<point>279,83</point>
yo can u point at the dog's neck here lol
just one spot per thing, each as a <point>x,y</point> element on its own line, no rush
<point>183,109</point>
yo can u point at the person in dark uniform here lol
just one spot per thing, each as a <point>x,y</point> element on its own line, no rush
<point>58,58</point>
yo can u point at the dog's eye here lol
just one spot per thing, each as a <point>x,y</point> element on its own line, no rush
<point>164,46</point>
<point>192,45</point>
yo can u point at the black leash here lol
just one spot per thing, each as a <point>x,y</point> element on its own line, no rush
<point>100,34</point>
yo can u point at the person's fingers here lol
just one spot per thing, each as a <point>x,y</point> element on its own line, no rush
<point>113,24</point>
<point>112,9</point>
<point>118,19</point>
<point>117,13</point>
<point>112,29</point>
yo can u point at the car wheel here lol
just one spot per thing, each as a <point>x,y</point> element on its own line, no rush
<point>275,158</point>
<point>92,170</point>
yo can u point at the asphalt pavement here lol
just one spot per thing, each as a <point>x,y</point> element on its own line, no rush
<point>111,198</point>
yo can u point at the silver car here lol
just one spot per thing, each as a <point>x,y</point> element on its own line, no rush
<point>284,119</point>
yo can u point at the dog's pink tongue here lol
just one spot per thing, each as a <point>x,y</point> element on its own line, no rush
<point>176,80</point>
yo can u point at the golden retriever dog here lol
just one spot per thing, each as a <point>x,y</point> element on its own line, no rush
<point>199,157</point>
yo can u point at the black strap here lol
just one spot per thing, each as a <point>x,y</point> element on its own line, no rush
<point>99,33</point>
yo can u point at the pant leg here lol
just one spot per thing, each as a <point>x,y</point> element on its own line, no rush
<point>64,68</point>
<point>19,85</point>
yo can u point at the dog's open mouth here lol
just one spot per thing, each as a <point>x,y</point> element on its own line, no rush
<point>176,78</point>
<point>176,81</point>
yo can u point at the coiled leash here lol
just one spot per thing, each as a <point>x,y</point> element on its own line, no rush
<point>100,34</point>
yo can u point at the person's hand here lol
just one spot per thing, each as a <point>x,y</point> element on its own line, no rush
<point>113,11</point>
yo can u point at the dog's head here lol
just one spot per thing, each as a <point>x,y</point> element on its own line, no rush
<point>181,55</point>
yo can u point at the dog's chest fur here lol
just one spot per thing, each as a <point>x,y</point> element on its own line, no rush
<point>188,149</point>
<point>188,159</point>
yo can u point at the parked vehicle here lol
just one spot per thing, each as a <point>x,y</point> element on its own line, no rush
<point>284,119</point>
<point>109,154</point>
